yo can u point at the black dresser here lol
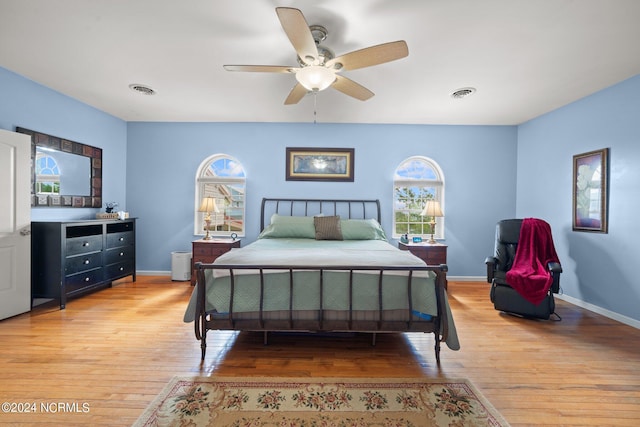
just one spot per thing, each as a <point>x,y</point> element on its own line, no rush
<point>72,258</point>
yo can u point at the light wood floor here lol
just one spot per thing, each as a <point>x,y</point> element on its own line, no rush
<point>111,352</point>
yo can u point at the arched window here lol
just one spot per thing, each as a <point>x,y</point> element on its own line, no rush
<point>416,180</point>
<point>222,177</point>
<point>47,177</point>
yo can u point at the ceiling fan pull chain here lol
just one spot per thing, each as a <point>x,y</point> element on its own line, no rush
<point>315,101</point>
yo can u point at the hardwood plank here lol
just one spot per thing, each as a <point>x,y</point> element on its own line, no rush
<point>117,348</point>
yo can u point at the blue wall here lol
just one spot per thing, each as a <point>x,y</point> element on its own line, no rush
<point>598,268</point>
<point>162,160</point>
<point>24,103</point>
<point>149,168</point>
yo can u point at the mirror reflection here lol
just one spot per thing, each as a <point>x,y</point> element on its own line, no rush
<point>59,173</point>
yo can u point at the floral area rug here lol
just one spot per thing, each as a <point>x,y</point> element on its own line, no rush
<point>316,402</point>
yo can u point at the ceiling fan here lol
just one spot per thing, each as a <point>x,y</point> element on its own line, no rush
<point>318,67</point>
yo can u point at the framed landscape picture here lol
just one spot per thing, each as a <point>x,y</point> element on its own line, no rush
<point>590,191</point>
<point>320,164</point>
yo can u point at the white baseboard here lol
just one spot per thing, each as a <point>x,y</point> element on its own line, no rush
<point>467,278</point>
<point>599,310</point>
<point>153,273</point>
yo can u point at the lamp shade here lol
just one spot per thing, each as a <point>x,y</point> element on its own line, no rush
<point>315,77</point>
<point>208,205</point>
<point>432,208</point>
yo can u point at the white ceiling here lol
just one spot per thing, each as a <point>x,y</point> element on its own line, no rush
<point>524,57</point>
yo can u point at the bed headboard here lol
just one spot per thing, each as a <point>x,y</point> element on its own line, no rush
<point>352,209</point>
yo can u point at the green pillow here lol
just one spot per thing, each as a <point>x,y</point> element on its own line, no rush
<point>283,226</point>
<point>362,229</point>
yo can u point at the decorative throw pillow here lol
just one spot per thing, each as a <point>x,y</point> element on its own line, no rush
<point>327,227</point>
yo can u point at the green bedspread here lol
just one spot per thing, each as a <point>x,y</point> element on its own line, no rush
<point>306,294</point>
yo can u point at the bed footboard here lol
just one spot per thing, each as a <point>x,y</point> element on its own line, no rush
<point>380,319</point>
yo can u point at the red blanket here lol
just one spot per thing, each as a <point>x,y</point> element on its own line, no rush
<point>529,275</point>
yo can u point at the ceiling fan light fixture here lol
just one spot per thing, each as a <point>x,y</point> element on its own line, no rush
<point>315,77</point>
<point>318,66</point>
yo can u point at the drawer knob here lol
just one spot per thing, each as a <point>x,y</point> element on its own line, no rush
<point>121,268</point>
<point>121,253</point>
<point>121,239</point>
<point>86,262</point>
<point>85,244</point>
<point>86,279</point>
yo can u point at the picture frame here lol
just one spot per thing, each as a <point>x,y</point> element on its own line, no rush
<point>320,164</point>
<point>591,191</point>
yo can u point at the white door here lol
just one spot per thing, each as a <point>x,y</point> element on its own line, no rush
<point>15,224</point>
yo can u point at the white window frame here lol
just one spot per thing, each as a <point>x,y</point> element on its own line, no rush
<point>438,187</point>
<point>203,178</point>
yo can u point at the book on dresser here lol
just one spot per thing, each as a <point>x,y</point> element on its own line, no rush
<point>71,258</point>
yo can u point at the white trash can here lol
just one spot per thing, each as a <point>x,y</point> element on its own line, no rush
<point>181,266</point>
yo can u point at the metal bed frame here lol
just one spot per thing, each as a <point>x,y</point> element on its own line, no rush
<point>346,208</point>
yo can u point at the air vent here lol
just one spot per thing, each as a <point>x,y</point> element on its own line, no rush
<point>145,90</point>
<point>463,93</point>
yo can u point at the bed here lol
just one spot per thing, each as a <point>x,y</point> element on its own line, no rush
<point>321,266</point>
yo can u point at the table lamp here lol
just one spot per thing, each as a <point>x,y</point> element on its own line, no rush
<point>432,209</point>
<point>208,205</point>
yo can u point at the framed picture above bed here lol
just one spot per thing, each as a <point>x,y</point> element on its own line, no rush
<point>590,191</point>
<point>320,164</point>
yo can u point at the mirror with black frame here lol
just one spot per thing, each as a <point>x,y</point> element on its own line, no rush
<point>64,173</point>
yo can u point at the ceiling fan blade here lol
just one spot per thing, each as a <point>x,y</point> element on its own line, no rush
<point>297,93</point>
<point>260,68</point>
<point>297,29</point>
<point>351,88</point>
<point>369,56</point>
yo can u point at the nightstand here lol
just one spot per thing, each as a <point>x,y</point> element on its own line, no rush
<point>207,251</point>
<point>431,253</point>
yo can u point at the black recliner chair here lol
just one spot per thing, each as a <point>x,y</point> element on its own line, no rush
<point>504,297</point>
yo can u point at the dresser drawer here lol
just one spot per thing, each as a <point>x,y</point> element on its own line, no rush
<point>78,281</point>
<point>432,254</point>
<point>120,269</point>
<point>115,240</point>
<point>208,255</point>
<point>120,226</point>
<point>120,254</point>
<point>203,251</point>
<point>436,256</point>
<point>84,244</point>
<point>213,249</point>
<point>83,262</point>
